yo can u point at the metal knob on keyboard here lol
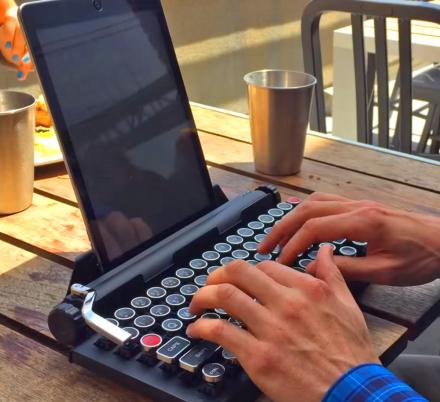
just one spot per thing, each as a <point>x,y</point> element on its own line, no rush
<point>213,373</point>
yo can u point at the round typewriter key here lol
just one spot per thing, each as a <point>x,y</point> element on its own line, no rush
<point>189,290</point>
<point>313,254</point>
<point>235,240</point>
<point>262,257</point>
<point>250,246</point>
<point>255,225</point>
<point>348,251</point>
<point>229,357</point>
<point>144,321</point>
<point>240,254</point>
<point>213,372</point>
<point>266,219</point>
<point>198,264</point>
<point>140,303</point>
<point>160,310</point>
<point>252,262</point>
<point>172,325</point>
<point>113,321</point>
<point>185,315</point>
<point>156,293</point>
<point>124,314</point>
<point>294,200</point>
<point>360,243</point>
<point>276,212</point>
<point>212,269</point>
<point>235,322</point>
<point>133,332</point>
<point>326,243</point>
<point>170,283</point>
<point>285,206</point>
<point>267,230</point>
<point>260,237</point>
<point>226,260</point>
<point>211,316</point>
<point>175,300</point>
<point>339,242</point>
<point>184,273</point>
<point>223,248</point>
<point>245,232</point>
<point>304,262</point>
<point>220,311</point>
<point>211,256</point>
<point>201,280</point>
<point>151,342</point>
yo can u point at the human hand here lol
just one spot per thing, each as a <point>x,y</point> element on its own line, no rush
<point>403,247</point>
<point>121,234</point>
<point>302,335</point>
<point>12,42</point>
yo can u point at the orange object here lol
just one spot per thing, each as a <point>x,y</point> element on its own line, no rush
<point>42,113</point>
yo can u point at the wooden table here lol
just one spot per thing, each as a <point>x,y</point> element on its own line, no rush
<point>425,41</point>
<point>38,246</point>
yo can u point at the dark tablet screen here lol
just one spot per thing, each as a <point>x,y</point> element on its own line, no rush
<point>119,105</point>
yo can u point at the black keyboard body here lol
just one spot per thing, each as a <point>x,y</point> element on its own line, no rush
<point>163,378</point>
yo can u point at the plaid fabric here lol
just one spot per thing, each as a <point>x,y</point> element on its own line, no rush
<point>371,382</point>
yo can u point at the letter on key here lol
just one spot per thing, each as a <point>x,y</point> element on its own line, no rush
<point>197,356</point>
<point>169,352</point>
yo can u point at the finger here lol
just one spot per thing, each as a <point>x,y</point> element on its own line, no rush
<point>245,277</point>
<point>119,227</point>
<point>293,221</point>
<point>373,268</point>
<point>285,276</point>
<point>142,230</point>
<point>18,45</point>
<point>327,271</point>
<point>25,67</point>
<point>221,332</point>
<point>346,225</point>
<point>234,301</point>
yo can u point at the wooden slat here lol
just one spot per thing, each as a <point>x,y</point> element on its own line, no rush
<point>237,156</point>
<point>368,161</point>
<point>30,286</point>
<point>414,306</point>
<point>32,372</point>
<point>49,225</point>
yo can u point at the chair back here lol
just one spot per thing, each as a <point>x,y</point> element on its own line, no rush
<point>404,11</point>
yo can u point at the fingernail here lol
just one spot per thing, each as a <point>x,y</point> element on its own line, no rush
<point>26,59</point>
<point>8,45</point>
<point>188,330</point>
<point>15,58</point>
<point>20,74</point>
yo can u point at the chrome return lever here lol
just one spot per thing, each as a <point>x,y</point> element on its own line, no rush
<point>96,322</point>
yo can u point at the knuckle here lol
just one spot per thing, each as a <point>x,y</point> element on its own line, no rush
<point>292,307</point>
<point>318,289</point>
<point>317,196</point>
<point>264,265</point>
<point>311,226</point>
<point>226,291</point>
<point>233,268</point>
<point>216,329</point>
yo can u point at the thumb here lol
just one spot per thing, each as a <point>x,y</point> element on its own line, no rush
<point>325,269</point>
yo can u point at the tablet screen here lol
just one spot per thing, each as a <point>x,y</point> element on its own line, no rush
<point>127,134</point>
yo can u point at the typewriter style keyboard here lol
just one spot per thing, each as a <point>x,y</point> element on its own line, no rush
<point>157,319</point>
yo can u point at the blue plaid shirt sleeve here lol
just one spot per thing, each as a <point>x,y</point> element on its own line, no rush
<point>371,382</point>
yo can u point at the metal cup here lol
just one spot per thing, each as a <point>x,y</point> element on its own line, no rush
<point>279,109</point>
<point>17,126</point>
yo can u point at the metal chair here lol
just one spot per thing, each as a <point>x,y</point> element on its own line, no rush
<point>404,11</point>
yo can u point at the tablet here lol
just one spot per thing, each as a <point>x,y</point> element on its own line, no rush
<point>112,82</point>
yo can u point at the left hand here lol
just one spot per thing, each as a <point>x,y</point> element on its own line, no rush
<point>13,44</point>
<point>302,334</point>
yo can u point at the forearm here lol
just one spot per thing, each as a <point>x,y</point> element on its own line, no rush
<point>371,382</point>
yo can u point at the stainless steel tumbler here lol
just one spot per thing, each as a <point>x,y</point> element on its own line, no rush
<point>17,125</point>
<point>279,109</point>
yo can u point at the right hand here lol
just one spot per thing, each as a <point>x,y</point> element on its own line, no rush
<point>403,247</point>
